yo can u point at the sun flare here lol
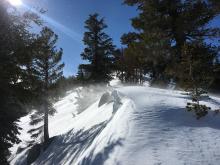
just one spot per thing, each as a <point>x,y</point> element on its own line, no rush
<point>15,2</point>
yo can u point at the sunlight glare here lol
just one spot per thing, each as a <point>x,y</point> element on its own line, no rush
<point>15,2</point>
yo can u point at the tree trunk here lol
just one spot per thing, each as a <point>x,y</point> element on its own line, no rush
<point>46,132</point>
<point>141,76</point>
<point>46,110</point>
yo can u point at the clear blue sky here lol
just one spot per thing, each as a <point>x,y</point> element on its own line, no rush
<point>66,17</point>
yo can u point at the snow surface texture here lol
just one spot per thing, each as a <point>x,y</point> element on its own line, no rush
<point>141,126</point>
<point>58,124</point>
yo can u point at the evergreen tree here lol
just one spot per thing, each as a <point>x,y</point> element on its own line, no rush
<point>63,84</point>
<point>99,50</point>
<point>197,74</point>
<point>165,26</point>
<point>197,67</point>
<point>119,64</point>
<point>84,73</point>
<point>215,87</point>
<point>15,93</point>
<point>48,70</point>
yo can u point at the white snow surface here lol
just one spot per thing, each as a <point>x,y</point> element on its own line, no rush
<point>150,127</point>
<point>115,82</point>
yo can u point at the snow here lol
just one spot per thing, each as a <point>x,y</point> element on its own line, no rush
<point>115,82</point>
<point>149,126</point>
<point>94,129</point>
<point>66,111</point>
<point>164,133</point>
<point>58,124</point>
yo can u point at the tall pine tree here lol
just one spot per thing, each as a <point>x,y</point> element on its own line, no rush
<point>99,49</point>
<point>165,26</point>
<point>179,29</point>
<point>48,70</point>
<point>15,92</point>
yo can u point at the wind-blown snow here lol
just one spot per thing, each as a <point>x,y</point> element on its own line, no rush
<point>164,133</point>
<point>150,126</point>
<point>58,124</point>
<point>115,82</point>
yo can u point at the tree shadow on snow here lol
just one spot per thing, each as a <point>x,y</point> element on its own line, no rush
<point>213,101</point>
<point>179,117</point>
<point>101,157</point>
<point>68,147</point>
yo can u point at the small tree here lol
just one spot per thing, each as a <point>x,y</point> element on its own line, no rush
<point>48,70</point>
<point>197,73</point>
<point>99,49</point>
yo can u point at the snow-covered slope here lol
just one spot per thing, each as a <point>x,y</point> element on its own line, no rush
<point>164,133</point>
<point>58,124</point>
<point>149,126</point>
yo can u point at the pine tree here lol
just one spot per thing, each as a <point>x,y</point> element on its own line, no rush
<point>119,64</point>
<point>215,85</point>
<point>48,70</point>
<point>14,56</point>
<point>165,26</point>
<point>197,74</point>
<point>82,73</point>
<point>99,49</point>
<point>173,36</point>
<point>197,66</point>
<point>63,84</point>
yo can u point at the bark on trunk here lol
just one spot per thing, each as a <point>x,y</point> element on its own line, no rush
<point>46,132</point>
<point>46,110</point>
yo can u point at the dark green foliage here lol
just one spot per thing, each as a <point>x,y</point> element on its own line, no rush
<point>15,90</point>
<point>215,87</point>
<point>119,65</point>
<point>196,69</point>
<point>80,74</point>
<point>197,74</point>
<point>171,39</point>
<point>84,73</point>
<point>98,51</point>
<point>164,28</point>
<point>48,70</point>
<point>63,84</point>
<point>199,110</point>
<point>150,47</point>
<point>7,107</point>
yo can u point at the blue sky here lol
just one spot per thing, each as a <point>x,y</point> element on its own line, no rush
<point>67,17</point>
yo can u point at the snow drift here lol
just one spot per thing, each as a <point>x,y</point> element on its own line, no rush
<point>135,125</point>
